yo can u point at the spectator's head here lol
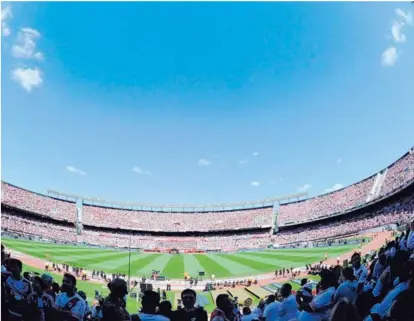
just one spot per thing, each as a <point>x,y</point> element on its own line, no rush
<point>3,254</point>
<point>14,266</point>
<point>68,283</point>
<point>271,298</point>
<point>344,311</point>
<point>224,303</point>
<point>39,286</point>
<point>356,260</point>
<point>261,304</point>
<point>303,282</point>
<point>118,288</point>
<point>398,262</point>
<point>403,307</point>
<point>188,297</point>
<point>150,302</point>
<point>55,287</point>
<point>82,295</point>
<point>328,279</point>
<point>286,290</point>
<point>246,311</point>
<point>47,279</point>
<point>382,259</point>
<point>348,274</point>
<point>164,308</point>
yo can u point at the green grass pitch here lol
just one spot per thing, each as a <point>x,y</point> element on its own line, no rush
<point>222,265</point>
<point>173,266</point>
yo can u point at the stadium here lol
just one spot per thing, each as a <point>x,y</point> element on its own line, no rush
<point>242,248</point>
<point>222,161</point>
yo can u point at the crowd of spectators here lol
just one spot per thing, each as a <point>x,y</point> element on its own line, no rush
<point>327,204</point>
<point>177,222</point>
<point>29,227</point>
<point>22,199</point>
<point>398,175</point>
<point>400,211</point>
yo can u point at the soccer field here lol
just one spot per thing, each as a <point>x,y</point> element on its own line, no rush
<point>222,265</point>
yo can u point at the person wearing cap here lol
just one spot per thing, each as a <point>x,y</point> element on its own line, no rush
<point>114,305</point>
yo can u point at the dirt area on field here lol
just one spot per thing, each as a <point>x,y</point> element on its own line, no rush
<point>263,279</point>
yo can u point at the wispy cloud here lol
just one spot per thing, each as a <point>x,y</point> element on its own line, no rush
<point>334,188</point>
<point>396,31</point>
<point>339,161</point>
<point>6,15</point>
<point>304,188</point>
<point>256,154</point>
<point>140,171</point>
<point>254,183</point>
<point>25,46</point>
<point>75,170</point>
<point>243,161</point>
<point>203,162</point>
<point>28,78</point>
<point>389,57</point>
<point>406,16</point>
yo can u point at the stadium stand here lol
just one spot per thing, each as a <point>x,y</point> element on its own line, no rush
<point>174,222</point>
<point>394,178</point>
<point>379,200</point>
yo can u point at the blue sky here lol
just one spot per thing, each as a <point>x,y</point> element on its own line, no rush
<point>203,102</point>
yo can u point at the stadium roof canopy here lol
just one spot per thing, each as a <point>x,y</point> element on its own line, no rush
<point>141,206</point>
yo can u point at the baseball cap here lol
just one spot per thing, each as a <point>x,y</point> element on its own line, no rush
<point>47,278</point>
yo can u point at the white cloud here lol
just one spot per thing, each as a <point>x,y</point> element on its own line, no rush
<point>254,183</point>
<point>389,57</point>
<point>408,17</point>
<point>304,188</point>
<point>334,188</point>
<point>396,31</point>
<point>203,162</point>
<point>339,161</point>
<point>256,154</point>
<point>6,15</point>
<point>243,161</point>
<point>75,170</point>
<point>28,78</point>
<point>140,171</point>
<point>25,46</point>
